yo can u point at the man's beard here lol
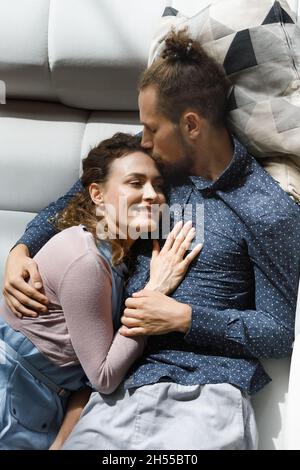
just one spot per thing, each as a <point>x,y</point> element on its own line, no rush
<point>181,168</point>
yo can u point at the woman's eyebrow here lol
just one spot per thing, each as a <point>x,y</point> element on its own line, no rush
<point>142,175</point>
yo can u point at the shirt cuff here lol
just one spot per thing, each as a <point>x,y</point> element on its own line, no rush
<point>212,326</point>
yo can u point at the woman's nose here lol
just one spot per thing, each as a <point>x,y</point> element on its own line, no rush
<point>149,192</point>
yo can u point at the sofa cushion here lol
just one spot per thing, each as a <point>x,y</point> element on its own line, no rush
<point>42,145</point>
<point>89,56</point>
<point>259,47</point>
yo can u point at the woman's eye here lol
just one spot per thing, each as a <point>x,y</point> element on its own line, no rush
<point>135,183</point>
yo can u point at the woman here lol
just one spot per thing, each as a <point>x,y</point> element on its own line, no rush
<point>43,359</point>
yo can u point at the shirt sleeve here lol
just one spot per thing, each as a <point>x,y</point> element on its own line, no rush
<point>40,229</point>
<point>85,297</point>
<point>268,330</point>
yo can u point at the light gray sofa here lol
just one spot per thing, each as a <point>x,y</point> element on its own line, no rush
<point>70,68</point>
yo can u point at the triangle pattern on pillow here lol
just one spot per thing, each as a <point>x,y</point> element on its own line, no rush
<point>286,115</point>
<point>277,14</point>
<point>240,54</point>
<point>219,30</point>
<point>169,11</point>
<point>231,102</point>
<point>286,18</point>
<point>271,17</point>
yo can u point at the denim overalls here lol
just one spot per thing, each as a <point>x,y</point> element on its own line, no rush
<point>33,390</point>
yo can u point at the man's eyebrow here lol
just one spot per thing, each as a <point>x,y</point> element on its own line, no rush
<point>145,125</point>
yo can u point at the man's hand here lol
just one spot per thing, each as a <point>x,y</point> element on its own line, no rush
<point>20,297</point>
<point>152,313</point>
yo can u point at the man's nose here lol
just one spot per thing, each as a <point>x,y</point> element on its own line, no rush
<point>147,141</point>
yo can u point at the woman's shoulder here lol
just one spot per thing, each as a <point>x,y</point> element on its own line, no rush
<point>72,245</point>
<point>76,234</point>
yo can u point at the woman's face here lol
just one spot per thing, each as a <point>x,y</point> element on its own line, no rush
<point>131,196</point>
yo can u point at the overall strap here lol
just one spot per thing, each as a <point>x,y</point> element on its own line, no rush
<point>61,392</point>
<point>117,276</point>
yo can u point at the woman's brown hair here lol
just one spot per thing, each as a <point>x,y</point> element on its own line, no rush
<point>96,169</point>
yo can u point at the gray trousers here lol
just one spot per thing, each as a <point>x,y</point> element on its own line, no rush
<point>167,416</point>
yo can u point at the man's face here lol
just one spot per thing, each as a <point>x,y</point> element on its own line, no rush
<point>162,136</point>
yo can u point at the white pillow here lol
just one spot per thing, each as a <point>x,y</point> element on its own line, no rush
<point>258,43</point>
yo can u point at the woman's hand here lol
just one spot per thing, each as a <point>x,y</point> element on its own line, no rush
<point>21,298</point>
<point>169,265</point>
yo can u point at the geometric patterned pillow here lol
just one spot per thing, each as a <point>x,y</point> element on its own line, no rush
<point>259,47</point>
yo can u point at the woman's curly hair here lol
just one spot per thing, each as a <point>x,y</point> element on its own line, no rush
<point>96,169</point>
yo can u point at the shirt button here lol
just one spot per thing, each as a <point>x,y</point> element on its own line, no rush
<point>44,425</point>
<point>208,192</point>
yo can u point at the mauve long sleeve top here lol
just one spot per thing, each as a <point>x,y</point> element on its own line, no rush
<point>78,327</point>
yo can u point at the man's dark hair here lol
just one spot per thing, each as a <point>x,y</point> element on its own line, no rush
<point>186,77</point>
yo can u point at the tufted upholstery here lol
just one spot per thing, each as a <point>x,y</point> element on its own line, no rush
<point>70,71</point>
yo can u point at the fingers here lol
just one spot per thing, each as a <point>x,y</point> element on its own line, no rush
<point>131,318</point>
<point>24,300</point>
<point>171,237</point>
<point>140,293</point>
<point>18,309</point>
<point>192,255</point>
<point>181,236</point>
<point>186,242</point>
<point>19,286</point>
<point>131,332</point>
<point>34,274</point>
<point>27,301</point>
<point>131,302</point>
<point>12,308</point>
<point>155,249</point>
<point>130,322</point>
<point>130,312</point>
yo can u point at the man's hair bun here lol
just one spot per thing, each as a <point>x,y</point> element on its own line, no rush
<point>179,47</point>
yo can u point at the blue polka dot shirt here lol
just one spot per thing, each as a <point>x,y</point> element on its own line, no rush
<point>242,287</point>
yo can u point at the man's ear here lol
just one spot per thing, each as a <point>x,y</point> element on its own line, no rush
<point>191,124</point>
<point>96,193</point>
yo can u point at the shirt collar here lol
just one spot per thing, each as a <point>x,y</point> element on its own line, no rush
<point>232,176</point>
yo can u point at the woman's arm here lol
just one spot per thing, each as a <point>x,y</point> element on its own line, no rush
<point>84,292</point>
<point>76,403</point>
<point>23,299</point>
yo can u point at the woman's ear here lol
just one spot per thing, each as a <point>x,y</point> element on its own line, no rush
<point>96,193</point>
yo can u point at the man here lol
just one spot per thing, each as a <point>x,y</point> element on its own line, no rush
<point>235,306</point>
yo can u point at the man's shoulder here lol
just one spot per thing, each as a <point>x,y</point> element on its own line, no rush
<point>260,196</point>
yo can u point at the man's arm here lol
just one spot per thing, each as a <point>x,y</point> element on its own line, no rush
<point>258,333</point>
<point>20,297</point>
<point>264,332</point>
<point>40,229</point>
